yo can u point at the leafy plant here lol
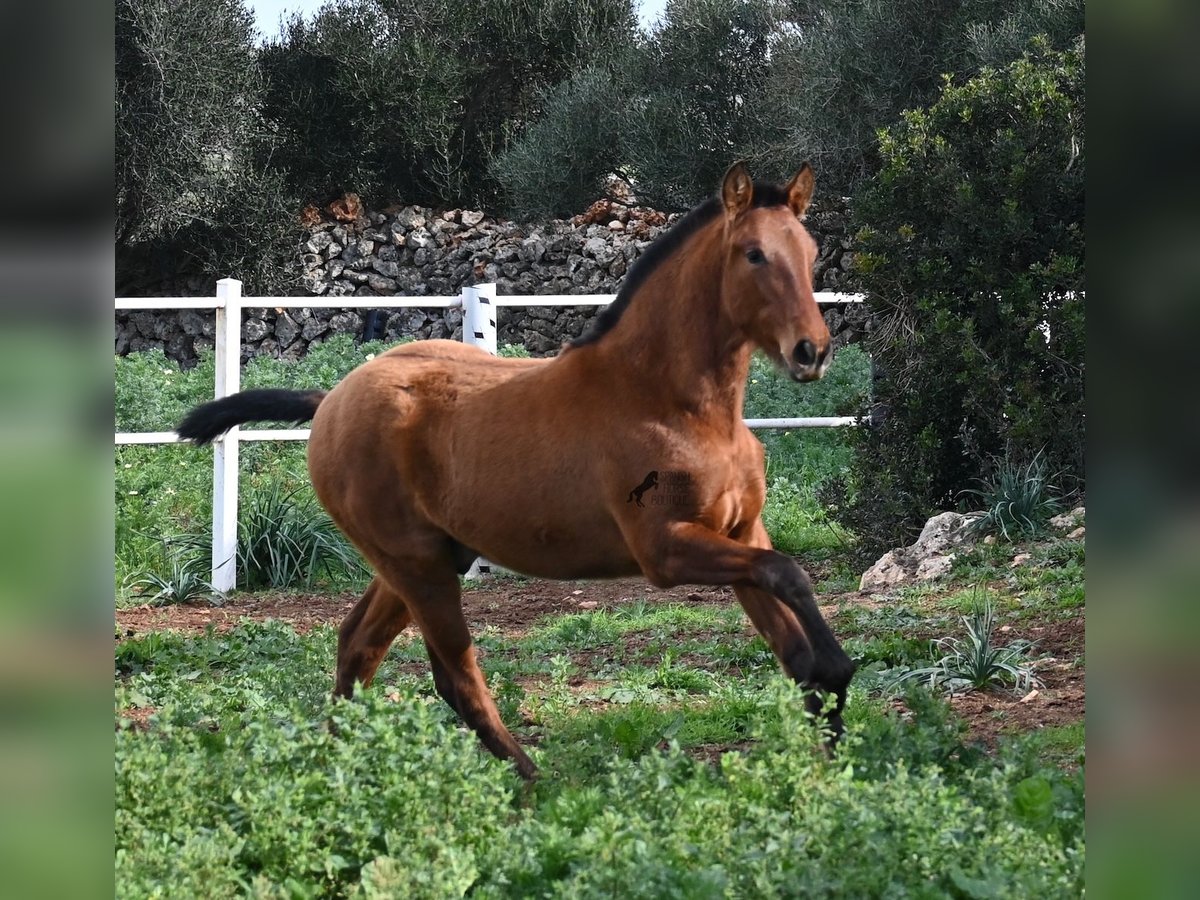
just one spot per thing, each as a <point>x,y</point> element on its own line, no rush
<point>976,663</point>
<point>1018,499</point>
<point>285,539</point>
<point>184,581</point>
<point>971,257</point>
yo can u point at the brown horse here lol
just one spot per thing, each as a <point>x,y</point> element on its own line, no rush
<point>435,453</point>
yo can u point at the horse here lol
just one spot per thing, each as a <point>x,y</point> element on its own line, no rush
<point>436,453</point>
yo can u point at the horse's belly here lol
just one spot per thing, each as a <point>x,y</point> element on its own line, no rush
<point>542,533</point>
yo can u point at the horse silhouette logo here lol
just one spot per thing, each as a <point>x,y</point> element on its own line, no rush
<point>650,482</point>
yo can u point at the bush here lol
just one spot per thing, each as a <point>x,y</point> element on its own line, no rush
<point>408,102</point>
<point>1017,500</point>
<point>196,191</point>
<point>971,258</point>
<point>850,67</point>
<point>669,113</point>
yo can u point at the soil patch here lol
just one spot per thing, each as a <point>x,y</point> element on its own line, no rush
<point>513,606</point>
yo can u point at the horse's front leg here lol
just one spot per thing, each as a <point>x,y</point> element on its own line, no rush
<point>775,592</point>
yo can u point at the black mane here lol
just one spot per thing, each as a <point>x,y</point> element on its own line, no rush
<point>765,194</point>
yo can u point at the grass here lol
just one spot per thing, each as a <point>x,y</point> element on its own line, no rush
<point>166,490</point>
<point>663,774</point>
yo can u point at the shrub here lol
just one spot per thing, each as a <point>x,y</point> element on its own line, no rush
<point>971,259</point>
<point>408,102</point>
<point>1018,500</point>
<point>670,112</point>
<point>196,190</point>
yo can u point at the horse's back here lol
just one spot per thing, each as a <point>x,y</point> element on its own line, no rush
<point>386,423</point>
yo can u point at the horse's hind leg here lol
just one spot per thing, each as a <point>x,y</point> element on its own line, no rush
<point>367,633</point>
<point>435,600</point>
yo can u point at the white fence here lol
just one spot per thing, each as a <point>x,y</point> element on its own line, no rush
<point>478,304</point>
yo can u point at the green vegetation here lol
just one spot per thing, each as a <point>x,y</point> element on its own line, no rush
<point>975,662</point>
<point>1017,499</point>
<point>971,257</point>
<point>675,762</point>
<point>163,493</point>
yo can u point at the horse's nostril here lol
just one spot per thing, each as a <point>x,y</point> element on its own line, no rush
<point>805,353</point>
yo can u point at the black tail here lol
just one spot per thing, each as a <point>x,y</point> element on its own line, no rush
<point>210,420</point>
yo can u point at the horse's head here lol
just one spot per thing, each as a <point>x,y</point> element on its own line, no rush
<point>767,287</point>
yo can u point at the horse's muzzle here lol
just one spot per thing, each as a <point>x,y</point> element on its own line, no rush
<point>807,363</point>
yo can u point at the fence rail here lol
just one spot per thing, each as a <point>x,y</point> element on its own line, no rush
<point>478,304</point>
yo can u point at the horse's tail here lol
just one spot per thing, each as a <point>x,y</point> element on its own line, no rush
<point>210,420</point>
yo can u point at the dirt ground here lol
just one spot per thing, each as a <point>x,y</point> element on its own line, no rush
<point>514,606</point>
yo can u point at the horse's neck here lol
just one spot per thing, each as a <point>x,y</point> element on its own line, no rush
<point>674,338</point>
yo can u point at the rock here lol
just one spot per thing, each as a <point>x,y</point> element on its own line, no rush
<point>934,567</point>
<point>426,251</point>
<point>193,323</point>
<point>381,284</point>
<point>1077,534</point>
<point>1069,520</point>
<point>286,330</point>
<point>313,328</point>
<point>384,268</point>
<point>418,239</point>
<point>318,242</point>
<point>887,571</point>
<point>926,558</point>
<point>253,330</point>
<point>943,531</point>
<point>314,282</point>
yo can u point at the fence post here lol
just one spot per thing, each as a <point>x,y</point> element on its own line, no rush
<point>225,449</point>
<point>479,330</point>
<point>479,316</point>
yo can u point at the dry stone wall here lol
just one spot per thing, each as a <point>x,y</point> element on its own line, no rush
<point>412,251</point>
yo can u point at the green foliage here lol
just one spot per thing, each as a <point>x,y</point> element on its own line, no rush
<point>285,539</point>
<point>403,101</point>
<point>185,77</point>
<point>196,189</point>
<point>560,163</point>
<point>669,112</point>
<point>971,257</point>
<point>1018,500</point>
<point>801,461</point>
<point>976,663</point>
<point>236,784</point>
<point>167,490</point>
<point>184,582</point>
<point>287,806</point>
<point>851,67</point>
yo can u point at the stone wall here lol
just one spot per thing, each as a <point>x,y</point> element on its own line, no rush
<point>412,251</point>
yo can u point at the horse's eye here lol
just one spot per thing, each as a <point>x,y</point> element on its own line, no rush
<point>756,256</point>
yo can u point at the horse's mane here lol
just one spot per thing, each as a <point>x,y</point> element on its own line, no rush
<point>765,194</point>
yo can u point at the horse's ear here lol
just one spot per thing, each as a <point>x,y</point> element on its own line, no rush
<point>737,190</point>
<point>800,190</point>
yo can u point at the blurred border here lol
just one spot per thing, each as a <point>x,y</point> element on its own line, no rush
<point>1143,449</point>
<point>56,529</point>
